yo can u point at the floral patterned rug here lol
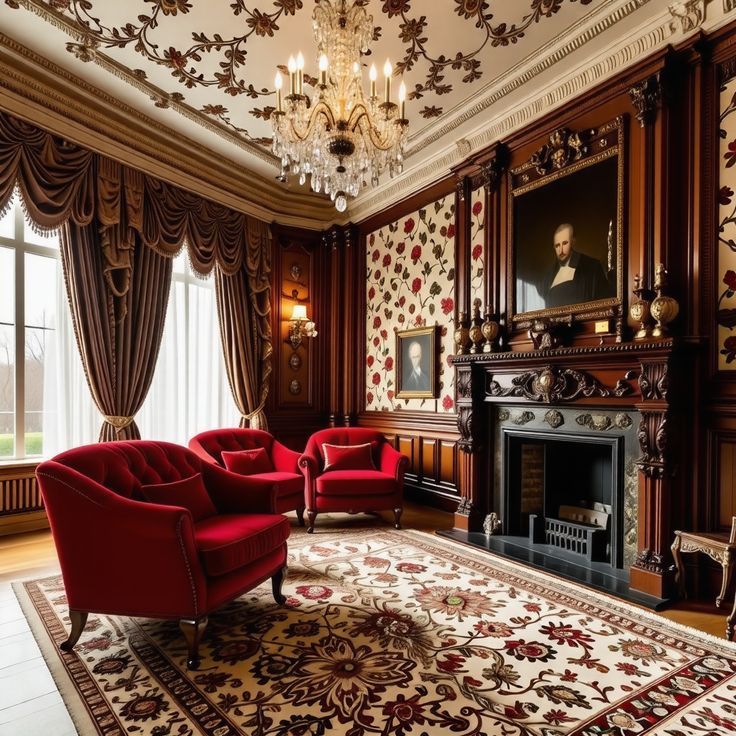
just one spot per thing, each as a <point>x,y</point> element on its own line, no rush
<point>399,633</point>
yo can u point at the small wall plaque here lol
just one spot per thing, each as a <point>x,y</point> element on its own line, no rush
<point>602,326</point>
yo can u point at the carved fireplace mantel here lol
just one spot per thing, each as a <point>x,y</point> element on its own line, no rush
<point>630,376</point>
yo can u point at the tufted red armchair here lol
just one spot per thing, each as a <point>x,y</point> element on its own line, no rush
<point>122,555</point>
<point>286,478</point>
<point>352,490</point>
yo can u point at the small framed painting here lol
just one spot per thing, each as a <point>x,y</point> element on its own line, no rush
<point>416,363</point>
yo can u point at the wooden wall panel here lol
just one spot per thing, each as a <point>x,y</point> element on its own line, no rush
<point>726,482</point>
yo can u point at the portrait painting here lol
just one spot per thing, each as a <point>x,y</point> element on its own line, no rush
<point>416,365</point>
<point>566,246</point>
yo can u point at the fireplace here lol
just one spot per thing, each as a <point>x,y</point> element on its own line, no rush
<point>564,491</point>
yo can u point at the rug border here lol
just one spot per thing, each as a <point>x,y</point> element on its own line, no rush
<point>78,713</point>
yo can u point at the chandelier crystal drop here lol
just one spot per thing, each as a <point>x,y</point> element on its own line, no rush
<point>340,137</point>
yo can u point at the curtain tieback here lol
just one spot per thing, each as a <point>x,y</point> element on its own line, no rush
<point>120,423</point>
<point>254,412</point>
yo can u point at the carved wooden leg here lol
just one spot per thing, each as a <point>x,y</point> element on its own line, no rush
<point>276,582</point>
<point>727,575</point>
<point>193,630</point>
<point>79,621</point>
<point>730,621</point>
<point>300,516</point>
<point>311,516</point>
<point>397,518</point>
<point>679,567</point>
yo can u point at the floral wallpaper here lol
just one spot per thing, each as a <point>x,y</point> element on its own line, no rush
<point>726,314</point>
<point>410,272</point>
<point>478,247</point>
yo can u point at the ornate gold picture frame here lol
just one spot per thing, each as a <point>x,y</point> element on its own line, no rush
<point>416,363</point>
<point>565,228</point>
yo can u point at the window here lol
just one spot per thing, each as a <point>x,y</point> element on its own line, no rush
<point>190,391</point>
<point>29,266</point>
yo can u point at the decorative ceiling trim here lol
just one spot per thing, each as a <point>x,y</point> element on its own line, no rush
<point>521,74</point>
<point>610,61</point>
<point>87,50</point>
<point>37,90</point>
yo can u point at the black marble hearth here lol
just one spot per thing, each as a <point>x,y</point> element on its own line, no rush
<point>599,576</point>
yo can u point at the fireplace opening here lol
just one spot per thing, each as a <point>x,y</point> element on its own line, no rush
<point>563,492</point>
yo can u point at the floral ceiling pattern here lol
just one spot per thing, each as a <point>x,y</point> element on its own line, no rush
<point>726,308</point>
<point>219,58</point>
<point>410,282</point>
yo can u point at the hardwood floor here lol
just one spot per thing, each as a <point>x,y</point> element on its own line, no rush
<point>30,704</point>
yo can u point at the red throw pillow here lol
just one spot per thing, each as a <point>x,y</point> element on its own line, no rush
<point>248,462</point>
<point>348,457</point>
<point>187,492</point>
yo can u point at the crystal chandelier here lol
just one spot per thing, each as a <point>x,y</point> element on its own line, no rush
<point>339,137</point>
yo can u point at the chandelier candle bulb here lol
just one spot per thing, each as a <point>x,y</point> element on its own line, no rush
<point>323,70</point>
<point>373,74</point>
<point>387,73</point>
<point>402,100</point>
<point>300,73</point>
<point>278,83</point>
<point>291,66</point>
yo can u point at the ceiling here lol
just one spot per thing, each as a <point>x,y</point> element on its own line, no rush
<point>206,68</point>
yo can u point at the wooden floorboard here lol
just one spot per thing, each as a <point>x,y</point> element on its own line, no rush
<point>30,704</point>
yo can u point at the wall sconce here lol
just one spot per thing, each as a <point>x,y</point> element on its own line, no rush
<point>300,326</point>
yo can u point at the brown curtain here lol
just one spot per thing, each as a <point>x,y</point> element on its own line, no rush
<point>244,309</point>
<point>121,229</point>
<point>119,346</point>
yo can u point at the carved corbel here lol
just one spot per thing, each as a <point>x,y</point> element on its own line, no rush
<point>467,442</point>
<point>493,171</point>
<point>653,444</point>
<point>646,97</point>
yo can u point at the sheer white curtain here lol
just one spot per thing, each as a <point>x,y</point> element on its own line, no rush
<point>190,392</point>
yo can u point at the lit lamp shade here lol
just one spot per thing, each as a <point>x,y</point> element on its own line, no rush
<point>299,312</point>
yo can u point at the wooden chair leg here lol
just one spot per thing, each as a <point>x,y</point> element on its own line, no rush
<point>727,575</point>
<point>397,518</point>
<point>79,621</point>
<point>193,630</point>
<point>300,516</point>
<point>730,621</point>
<point>679,567</point>
<point>276,582</point>
<point>311,516</point>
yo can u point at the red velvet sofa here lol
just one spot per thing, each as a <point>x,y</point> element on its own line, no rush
<point>352,490</point>
<point>120,554</point>
<point>288,482</point>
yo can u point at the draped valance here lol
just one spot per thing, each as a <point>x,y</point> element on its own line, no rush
<point>61,181</point>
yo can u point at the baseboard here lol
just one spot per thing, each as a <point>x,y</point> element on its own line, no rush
<point>19,523</point>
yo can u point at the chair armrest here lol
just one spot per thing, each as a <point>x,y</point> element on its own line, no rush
<point>238,494</point>
<point>284,459</point>
<point>393,462</point>
<point>146,551</point>
<point>310,470</point>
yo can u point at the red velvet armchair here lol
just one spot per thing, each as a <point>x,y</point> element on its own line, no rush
<point>123,555</point>
<point>286,478</point>
<point>352,490</point>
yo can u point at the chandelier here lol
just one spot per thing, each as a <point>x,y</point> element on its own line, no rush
<point>339,137</point>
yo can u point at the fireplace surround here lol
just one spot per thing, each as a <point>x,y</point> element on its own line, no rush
<point>626,396</point>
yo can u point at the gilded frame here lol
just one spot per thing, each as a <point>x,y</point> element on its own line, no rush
<point>566,154</point>
<point>426,337</point>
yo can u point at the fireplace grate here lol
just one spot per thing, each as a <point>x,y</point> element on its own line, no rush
<point>584,540</point>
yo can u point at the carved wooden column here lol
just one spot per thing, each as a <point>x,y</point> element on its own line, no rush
<point>650,573</point>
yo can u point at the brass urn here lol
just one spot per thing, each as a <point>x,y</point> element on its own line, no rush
<point>640,310</point>
<point>490,330</point>
<point>663,308</point>
<point>462,337</point>
<point>476,330</point>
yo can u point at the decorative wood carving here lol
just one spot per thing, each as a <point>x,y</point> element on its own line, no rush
<point>523,418</point>
<point>465,427</point>
<point>493,171</point>
<point>654,381</point>
<point>651,561</point>
<point>556,385</point>
<point>554,418</point>
<point>563,148</point>
<point>653,441</point>
<point>464,384</point>
<point>646,97</point>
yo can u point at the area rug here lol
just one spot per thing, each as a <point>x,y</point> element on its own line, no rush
<point>389,632</point>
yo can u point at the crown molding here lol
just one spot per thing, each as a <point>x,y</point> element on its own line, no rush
<point>613,59</point>
<point>33,88</point>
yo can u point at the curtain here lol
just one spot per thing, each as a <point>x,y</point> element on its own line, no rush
<point>244,309</point>
<point>118,346</point>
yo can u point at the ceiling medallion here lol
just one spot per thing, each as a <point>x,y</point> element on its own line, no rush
<point>340,137</point>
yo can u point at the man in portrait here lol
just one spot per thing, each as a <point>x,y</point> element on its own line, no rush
<point>575,277</point>
<point>416,371</point>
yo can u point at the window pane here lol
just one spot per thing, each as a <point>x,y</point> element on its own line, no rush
<point>7,222</point>
<point>7,390</point>
<point>40,295</point>
<point>37,342</point>
<point>34,238</point>
<point>181,262</point>
<point>7,286</point>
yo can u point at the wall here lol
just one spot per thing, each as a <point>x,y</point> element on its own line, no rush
<point>410,282</point>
